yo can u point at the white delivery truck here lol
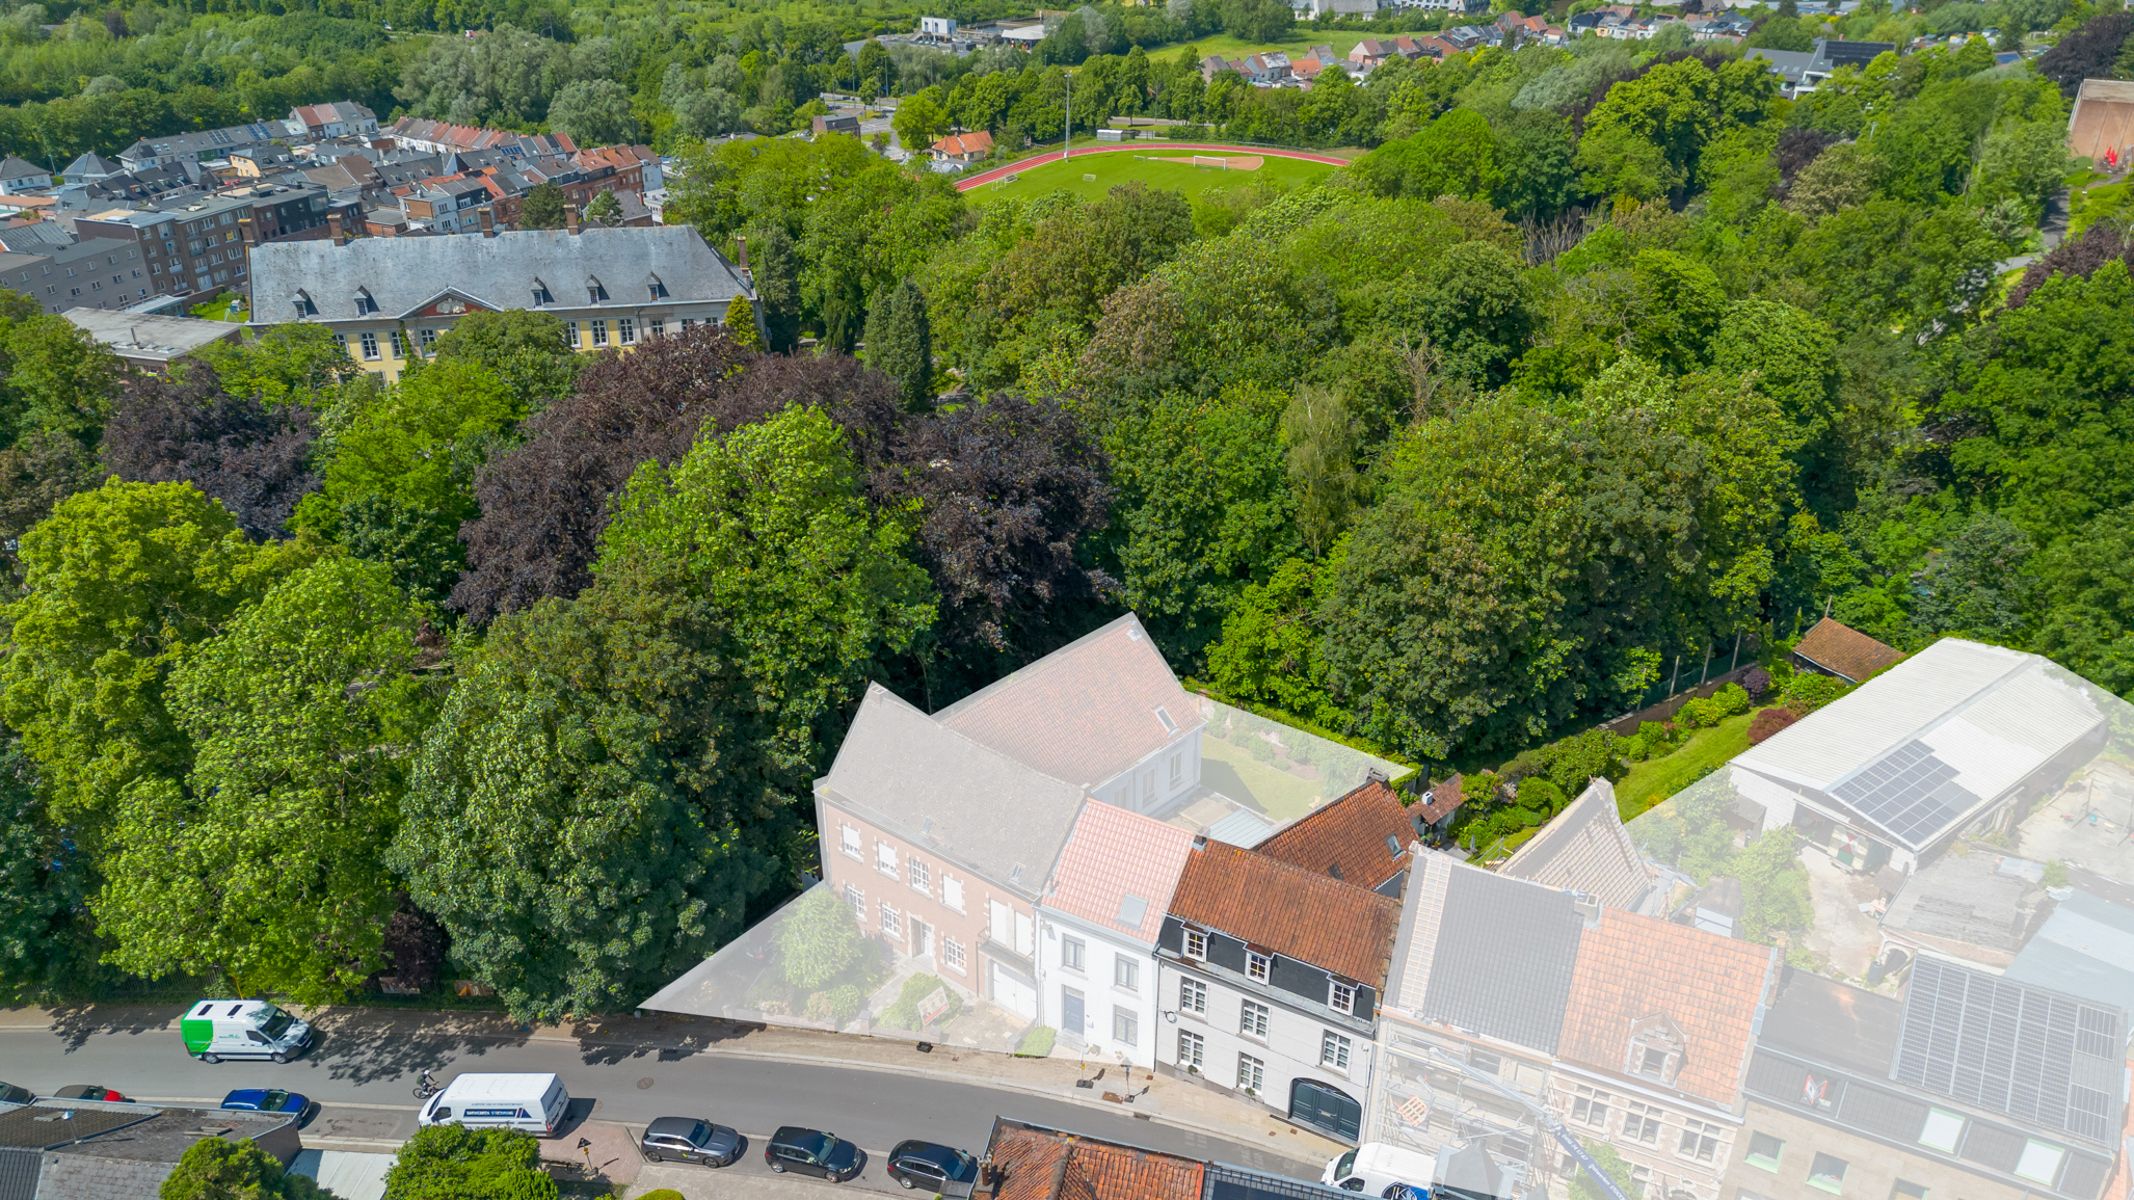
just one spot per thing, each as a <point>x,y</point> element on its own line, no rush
<point>533,1104</point>
<point>217,1029</point>
<point>1384,1170</point>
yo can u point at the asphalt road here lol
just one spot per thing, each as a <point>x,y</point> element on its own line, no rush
<point>363,1081</point>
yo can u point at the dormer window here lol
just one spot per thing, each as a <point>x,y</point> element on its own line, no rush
<point>541,294</point>
<point>594,292</point>
<point>1655,1051</point>
<point>304,306</point>
<point>654,286</point>
<point>365,305</point>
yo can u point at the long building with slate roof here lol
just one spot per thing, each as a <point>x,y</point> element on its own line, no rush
<point>390,299</point>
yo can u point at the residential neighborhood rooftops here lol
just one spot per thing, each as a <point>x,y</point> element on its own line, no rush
<point>1977,906</point>
<point>1086,712</point>
<point>1845,652</point>
<point>1361,838</point>
<point>1643,984</point>
<point>1285,909</point>
<point>1118,870</point>
<point>964,800</point>
<point>975,143</point>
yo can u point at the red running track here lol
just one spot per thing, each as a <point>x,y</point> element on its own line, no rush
<point>1051,156</point>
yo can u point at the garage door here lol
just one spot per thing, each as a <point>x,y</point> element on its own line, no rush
<point>1016,995</point>
<point>1325,1108</point>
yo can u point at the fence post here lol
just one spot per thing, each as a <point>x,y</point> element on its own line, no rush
<point>1675,678</point>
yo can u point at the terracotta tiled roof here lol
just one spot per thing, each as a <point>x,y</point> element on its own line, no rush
<point>1634,972</point>
<point>1035,1163</point>
<point>977,142</point>
<point>1446,797</point>
<point>1843,650</point>
<point>1118,870</point>
<point>1288,910</point>
<point>1086,712</point>
<point>1362,837</point>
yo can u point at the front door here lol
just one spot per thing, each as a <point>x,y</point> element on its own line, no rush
<point>1071,1014</point>
<point>922,939</point>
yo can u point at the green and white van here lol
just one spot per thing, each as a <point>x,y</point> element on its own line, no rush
<point>218,1029</point>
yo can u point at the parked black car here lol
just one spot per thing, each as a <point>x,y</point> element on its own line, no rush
<point>10,1094</point>
<point>687,1139</point>
<point>813,1152</point>
<point>930,1167</point>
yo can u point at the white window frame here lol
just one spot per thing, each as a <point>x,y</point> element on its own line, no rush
<point>1252,1019</point>
<point>626,331</point>
<point>1341,997</point>
<point>1251,1074</point>
<point>1334,1051</point>
<point>1258,966</point>
<point>426,338</point>
<point>885,858</point>
<point>892,921</point>
<point>1700,1141</point>
<point>919,876</point>
<point>1192,1049</point>
<point>952,956</point>
<point>1125,1026</point>
<point>600,332</point>
<point>857,901</point>
<point>850,841</point>
<point>1192,996</point>
<point>570,334</point>
<point>369,342</point>
<point>1196,945</point>
<point>1074,954</point>
<point>1125,973</point>
<point>1642,1122</point>
<point>951,891</point>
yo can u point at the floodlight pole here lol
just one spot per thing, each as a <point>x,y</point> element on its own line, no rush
<point>1067,133</point>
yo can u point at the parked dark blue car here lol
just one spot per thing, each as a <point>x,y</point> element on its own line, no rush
<point>273,1100</point>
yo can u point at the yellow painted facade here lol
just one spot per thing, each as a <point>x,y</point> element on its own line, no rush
<point>385,346</point>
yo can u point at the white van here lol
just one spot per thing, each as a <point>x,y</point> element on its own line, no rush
<point>534,1104</point>
<point>218,1029</point>
<point>1384,1170</point>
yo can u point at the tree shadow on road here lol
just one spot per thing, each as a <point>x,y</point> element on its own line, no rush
<point>605,1041</point>
<point>366,1045</point>
<point>75,1024</point>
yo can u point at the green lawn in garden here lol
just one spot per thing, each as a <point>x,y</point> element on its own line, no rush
<point>1656,779</point>
<point>1153,163</point>
<point>2090,202</point>
<point>1232,770</point>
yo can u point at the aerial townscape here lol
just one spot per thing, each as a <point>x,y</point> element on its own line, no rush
<point>1158,600</point>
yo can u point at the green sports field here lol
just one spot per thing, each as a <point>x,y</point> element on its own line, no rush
<point>1096,174</point>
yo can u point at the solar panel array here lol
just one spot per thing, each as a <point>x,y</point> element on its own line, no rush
<point>2011,1048</point>
<point>1909,792</point>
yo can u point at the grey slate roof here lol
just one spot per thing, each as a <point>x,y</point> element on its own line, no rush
<point>12,167</point>
<point>405,274</point>
<point>139,336</point>
<point>92,165</point>
<point>2085,948</point>
<point>935,787</point>
<point>1451,962</point>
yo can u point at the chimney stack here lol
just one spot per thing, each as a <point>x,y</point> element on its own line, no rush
<point>334,232</point>
<point>741,251</point>
<point>570,217</point>
<point>487,216</point>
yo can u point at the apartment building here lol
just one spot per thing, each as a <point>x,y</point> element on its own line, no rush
<point>195,247</point>
<point>100,273</point>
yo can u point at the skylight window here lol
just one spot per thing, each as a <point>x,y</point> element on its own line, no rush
<point>1163,715</point>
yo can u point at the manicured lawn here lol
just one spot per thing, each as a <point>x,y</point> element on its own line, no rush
<point>1157,166</point>
<point>1655,780</point>
<point>1233,771</point>
<point>2089,204</point>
